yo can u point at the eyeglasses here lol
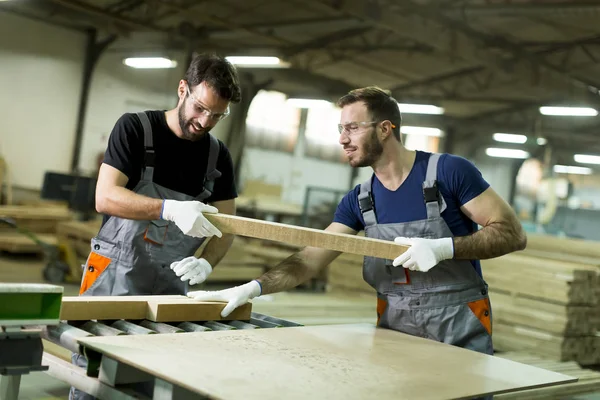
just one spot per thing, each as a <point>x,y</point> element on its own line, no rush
<point>199,109</point>
<point>354,127</point>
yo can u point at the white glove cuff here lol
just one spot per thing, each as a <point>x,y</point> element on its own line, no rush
<point>448,248</point>
<point>256,288</point>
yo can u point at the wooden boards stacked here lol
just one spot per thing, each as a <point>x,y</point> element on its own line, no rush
<point>320,362</point>
<point>152,308</point>
<point>588,379</point>
<point>39,218</point>
<point>78,235</point>
<point>346,276</point>
<point>547,302</point>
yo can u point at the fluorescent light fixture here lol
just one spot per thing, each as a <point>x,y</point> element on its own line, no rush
<point>541,141</point>
<point>308,103</point>
<point>149,62</point>
<point>421,130</point>
<point>257,62</point>
<point>586,159</point>
<point>569,111</point>
<point>420,109</point>
<point>506,153</point>
<point>568,169</point>
<point>509,138</point>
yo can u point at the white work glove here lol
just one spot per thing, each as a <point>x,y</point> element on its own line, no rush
<point>424,254</point>
<point>235,296</point>
<point>188,217</point>
<point>192,269</point>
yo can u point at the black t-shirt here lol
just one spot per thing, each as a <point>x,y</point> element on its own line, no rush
<point>179,164</point>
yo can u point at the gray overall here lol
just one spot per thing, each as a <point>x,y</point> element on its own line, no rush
<point>449,303</point>
<point>133,257</point>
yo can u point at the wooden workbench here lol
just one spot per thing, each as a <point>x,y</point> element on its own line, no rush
<point>318,362</point>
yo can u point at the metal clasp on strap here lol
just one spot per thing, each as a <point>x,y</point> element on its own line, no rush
<point>431,194</point>
<point>149,157</point>
<point>365,203</point>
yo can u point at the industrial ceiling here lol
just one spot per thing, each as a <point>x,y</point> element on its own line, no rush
<point>489,63</point>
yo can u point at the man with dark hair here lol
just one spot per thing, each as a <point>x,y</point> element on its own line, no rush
<point>160,171</point>
<point>429,202</point>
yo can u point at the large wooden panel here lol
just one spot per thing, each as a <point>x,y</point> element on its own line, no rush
<point>321,362</point>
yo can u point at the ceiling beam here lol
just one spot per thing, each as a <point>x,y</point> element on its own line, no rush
<point>441,33</point>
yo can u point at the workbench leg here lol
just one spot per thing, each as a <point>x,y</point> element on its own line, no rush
<point>9,387</point>
<point>164,390</point>
<point>114,373</point>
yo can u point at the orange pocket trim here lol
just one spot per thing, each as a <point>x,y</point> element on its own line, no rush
<point>147,239</point>
<point>381,305</point>
<point>405,274</point>
<point>95,266</point>
<point>481,309</point>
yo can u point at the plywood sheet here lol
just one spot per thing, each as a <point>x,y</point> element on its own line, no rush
<point>302,236</point>
<point>153,308</point>
<point>321,362</point>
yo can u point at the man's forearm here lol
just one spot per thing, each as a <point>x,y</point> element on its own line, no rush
<point>121,202</point>
<point>491,241</point>
<point>290,273</point>
<point>216,248</point>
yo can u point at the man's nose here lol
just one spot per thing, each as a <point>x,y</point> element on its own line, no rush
<point>204,120</point>
<point>344,138</point>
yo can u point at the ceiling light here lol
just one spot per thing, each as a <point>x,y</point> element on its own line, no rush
<point>509,138</point>
<point>257,62</point>
<point>586,159</point>
<point>506,153</point>
<point>149,62</point>
<point>568,169</point>
<point>569,111</point>
<point>308,103</point>
<point>421,130</point>
<point>541,141</point>
<point>420,109</point>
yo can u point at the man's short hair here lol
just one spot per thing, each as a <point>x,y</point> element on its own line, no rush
<point>218,73</point>
<point>380,104</point>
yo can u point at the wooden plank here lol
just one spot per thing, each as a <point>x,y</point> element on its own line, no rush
<point>169,310</point>
<point>154,308</point>
<point>35,212</point>
<point>555,244</point>
<point>320,362</point>
<point>302,236</point>
<point>17,242</point>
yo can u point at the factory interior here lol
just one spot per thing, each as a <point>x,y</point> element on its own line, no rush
<point>511,86</point>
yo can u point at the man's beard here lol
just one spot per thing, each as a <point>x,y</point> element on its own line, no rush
<point>371,151</point>
<point>186,126</point>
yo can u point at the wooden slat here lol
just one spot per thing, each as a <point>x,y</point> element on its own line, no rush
<point>302,236</point>
<point>154,308</point>
<point>190,310</point>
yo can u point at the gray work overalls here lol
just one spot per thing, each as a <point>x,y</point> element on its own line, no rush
<point>132,257</point>
<point>449,303</point>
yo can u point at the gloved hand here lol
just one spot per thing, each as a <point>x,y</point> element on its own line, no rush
<point>188,217</point>
<point>424,254</point>
<point>235,296</point>
<point>192,269</point>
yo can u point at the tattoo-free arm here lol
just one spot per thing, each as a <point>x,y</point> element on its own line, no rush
<point>216,248</point>
<point>112,198</point>
<point>301,266</point>
<point>501,231</point>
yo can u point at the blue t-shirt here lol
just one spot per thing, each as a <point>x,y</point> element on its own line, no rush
<point>459,181</point>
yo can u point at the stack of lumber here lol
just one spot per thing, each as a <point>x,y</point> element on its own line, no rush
<point>249,258</point>
<point>39,218</point>
<point>545,300</point>
<point>78,234</point>
<point>38,223</point>
<point>346,276</point>
<point>588,379</point>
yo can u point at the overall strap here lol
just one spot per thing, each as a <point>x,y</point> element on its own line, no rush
<point>148,168</point>
<point>431,192</point>
<point>212,172</point>
<point>365,203</point>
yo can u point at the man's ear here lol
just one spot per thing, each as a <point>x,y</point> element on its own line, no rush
<point>386,129</point>
<point>181,89</point>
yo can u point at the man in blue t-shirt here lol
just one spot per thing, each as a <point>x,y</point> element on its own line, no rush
<point>431,203</point>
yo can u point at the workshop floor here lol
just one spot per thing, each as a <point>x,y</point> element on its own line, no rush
<point>301,307</point>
